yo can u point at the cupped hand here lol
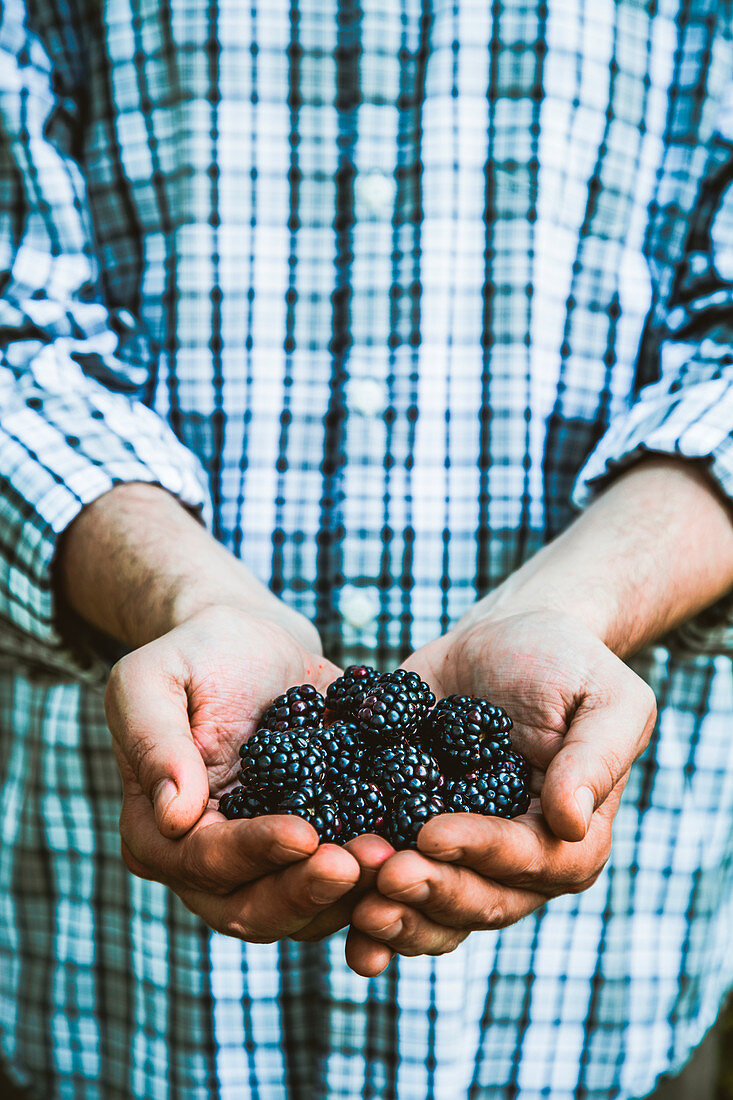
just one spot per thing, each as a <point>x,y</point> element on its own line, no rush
<point>581,717</point>
<point>178,709</point>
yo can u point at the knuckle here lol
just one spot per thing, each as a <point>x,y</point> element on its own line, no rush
<point>492,915</point>
<point>410,926</point>
<point>534,869</point>
<point>446,945</point>
<point>642,695</point>
<point>116,687</point>
<point>132,865</point>
<point>612,768</point>
<point>579,879</point>
<point>144,754</point>
<point>238,927</point>
<point>583,877</point>
<point>197,867</point>
<point>648,698</point>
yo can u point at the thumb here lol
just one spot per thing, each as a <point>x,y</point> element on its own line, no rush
<point>605,737</point>
<point>147,713</point>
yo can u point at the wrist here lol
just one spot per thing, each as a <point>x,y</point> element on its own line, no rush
<point>135,564</point>
<point>635,564</point>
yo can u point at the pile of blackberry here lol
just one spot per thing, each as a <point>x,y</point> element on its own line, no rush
<point>378,755</point>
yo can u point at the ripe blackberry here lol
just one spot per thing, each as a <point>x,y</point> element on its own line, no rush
<point>317,808</point>
<point>404,769</point>
<point>286,761</point>
<point>345,695</point>
<point>395,706</point>
<point>362,808</point>
<point>299,708</point>
<point>245,802</point>
<point>489,754</point>
<point>460,727</point>
<point>408,817</point>
<point>499,792</point>
<point>342,750</point>
<point>511,760</point>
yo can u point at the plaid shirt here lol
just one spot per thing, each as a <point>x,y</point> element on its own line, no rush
<point>376,285</point>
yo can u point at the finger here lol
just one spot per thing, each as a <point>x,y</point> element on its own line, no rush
<point>147,713</point>
<point>216,855</point>
<point>523,852</point>
<point>365,956</point>
<point>608,732</point>
<point>371,852</point>
<point>278,905</point>
<point>452,895</point>
<point>402,928</point>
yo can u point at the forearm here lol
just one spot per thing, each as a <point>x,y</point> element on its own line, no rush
<point>654,549</point>
<point>135,564</point>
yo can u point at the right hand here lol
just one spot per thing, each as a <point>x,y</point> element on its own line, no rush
<point>178,709</point>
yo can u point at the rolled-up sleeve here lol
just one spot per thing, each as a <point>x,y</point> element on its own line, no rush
<point>74,421</point>
<point>687,411</point>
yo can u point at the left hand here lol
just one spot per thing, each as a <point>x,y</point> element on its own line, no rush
<point>581,717</point>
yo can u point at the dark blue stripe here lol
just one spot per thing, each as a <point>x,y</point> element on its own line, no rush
<point>593,1020</point>
<point>412,141</point>
<point>445,576</point>
<point>295,176</point>
<point>683,978</point>
<point>537,95</point>
<point>648,768</point>
<point>213,95</point>
<point>482,580</point>
<point>329,564</point>
<point>169,299</point>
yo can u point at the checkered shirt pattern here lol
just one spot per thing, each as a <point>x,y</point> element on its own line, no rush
<point>386,288</point>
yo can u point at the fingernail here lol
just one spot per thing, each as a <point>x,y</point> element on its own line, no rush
<point>418,891</point>
<point>325,891</point>
<point>163,795</point>
<point>586,803</point>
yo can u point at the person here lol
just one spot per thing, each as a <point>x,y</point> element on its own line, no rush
<point>339,331</point>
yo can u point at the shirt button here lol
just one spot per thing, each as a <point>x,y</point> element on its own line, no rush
<point>125,320</point>
<point>359,606</point>
<point>367,396</point>
<point>376,192</point>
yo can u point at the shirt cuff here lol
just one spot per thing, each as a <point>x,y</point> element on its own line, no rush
<point>692,424</point>
<point>61,454</point>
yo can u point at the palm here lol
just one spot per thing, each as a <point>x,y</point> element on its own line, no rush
<point>194,695</point>
<point>237,674</point>
<point>538,667</point>
<point>178,709</point>
<point>581,717</point>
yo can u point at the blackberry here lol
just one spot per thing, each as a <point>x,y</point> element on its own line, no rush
<point>345,695</point>
<point>342,751</point>
<point>489,754</point>
<point>511,760</point>
<point>300,708</point>
<point>408,817</point>
<point>460,729</point>
<point>404,769</point>
<point>499,792</point>
<point>245,802</point>
<point>285,761</point>
<point>317,808</point>
<point>362,808</point>
<point>395,706</point>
